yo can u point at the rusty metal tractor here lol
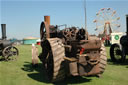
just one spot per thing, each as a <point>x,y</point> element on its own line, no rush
<point>7,50</point>
<point>70,52</point>
<point>118,52</point>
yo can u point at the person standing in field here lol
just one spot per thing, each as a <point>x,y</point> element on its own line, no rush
<point>34,56</point>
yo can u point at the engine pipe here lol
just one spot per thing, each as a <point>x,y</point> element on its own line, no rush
<point>3,28</point>
<point>127,24</point>
<point>47,19</point>
<point>47,25</point>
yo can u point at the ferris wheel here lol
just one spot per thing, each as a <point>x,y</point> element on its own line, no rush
<point>107,22</point>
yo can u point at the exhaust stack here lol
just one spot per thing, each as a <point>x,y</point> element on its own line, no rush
<point>3,29</point>
<point>127,25</point>
<point>47,19</point>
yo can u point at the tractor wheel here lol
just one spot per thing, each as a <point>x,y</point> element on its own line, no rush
<point>54,62</point>
<point>103,60</point>
<point>10,53</point>
<point>116,53</point>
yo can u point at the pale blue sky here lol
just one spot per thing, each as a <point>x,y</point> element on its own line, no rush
<point>23,17</point>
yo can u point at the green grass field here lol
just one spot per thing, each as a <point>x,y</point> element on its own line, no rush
<point>20,72</point>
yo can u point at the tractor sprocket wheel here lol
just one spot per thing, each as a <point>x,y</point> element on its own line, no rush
<point>54,62</point>
<point>10,53</point>
<point>116,53</point>
<point>103,60</point>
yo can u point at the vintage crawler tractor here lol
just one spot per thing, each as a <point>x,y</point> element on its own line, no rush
<point>70,51</point>
<point>7,50</point>
<point>118,52</point>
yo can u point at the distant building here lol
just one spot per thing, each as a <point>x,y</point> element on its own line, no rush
<point>115,37</point>
<point>16,41</point>
<point>30,40</point>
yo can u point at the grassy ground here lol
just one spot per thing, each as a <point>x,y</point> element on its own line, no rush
<point>20,72</point>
